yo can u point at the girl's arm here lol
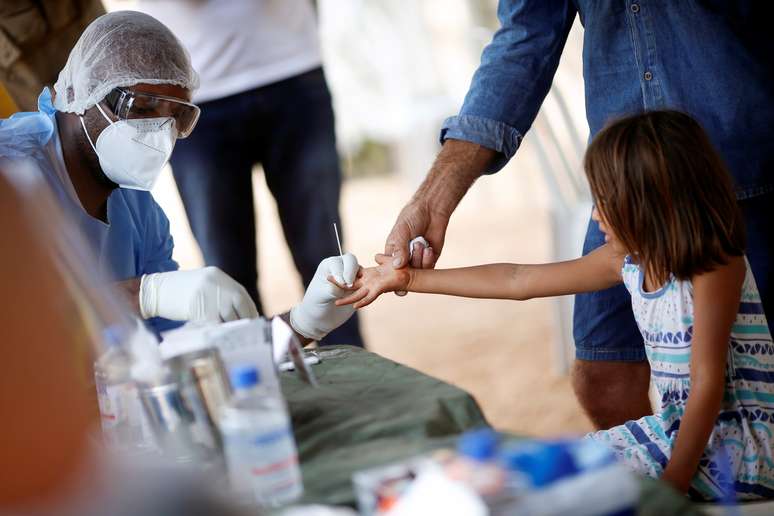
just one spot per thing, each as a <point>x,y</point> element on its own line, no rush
<point>716,296</point>
<point>596,271</point>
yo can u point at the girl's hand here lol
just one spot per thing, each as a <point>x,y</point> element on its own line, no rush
<point>373,281</point>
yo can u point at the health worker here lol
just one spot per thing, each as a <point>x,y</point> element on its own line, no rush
<point>101,139</point>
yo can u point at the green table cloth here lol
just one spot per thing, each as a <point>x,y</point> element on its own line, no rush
<point>369,411</point>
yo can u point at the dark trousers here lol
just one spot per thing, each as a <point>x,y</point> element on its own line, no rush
<point>288,127</point>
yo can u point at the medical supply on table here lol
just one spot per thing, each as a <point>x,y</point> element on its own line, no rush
<point>258,441</point>
<point>204,371</point>
<point>296,355</point>
<point>421,497</point>
<point>379,489</point>
<point>257,342</point>
<point>310,358</point>
<point>173,422</point>
<point>579,477</point>
<point>124,423</point>
<point>476,463</point>
<point>203,386</point>
<point>184,407</point>
<point>474,468</point>
<point>543,478</point>
<point>239,342</point>
<point>177,400</point>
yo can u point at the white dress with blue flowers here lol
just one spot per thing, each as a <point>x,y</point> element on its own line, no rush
<point>738,458</point>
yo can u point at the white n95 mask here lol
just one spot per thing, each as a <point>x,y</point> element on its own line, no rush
<point>133,152</point>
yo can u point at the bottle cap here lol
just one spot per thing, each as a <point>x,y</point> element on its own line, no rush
<point>542,463</point>
<point>244,377</point>
<point>480,445</point>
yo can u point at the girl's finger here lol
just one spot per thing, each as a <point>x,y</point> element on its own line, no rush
<point>352,298</point>
<point>367,300</point>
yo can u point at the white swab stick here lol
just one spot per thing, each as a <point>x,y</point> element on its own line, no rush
<point>338,241</point>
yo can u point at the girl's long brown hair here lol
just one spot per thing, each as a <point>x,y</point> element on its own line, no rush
<point>665,192</point>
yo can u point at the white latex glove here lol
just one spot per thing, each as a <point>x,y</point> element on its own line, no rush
<point>317,315</point>
<point>200,295</point>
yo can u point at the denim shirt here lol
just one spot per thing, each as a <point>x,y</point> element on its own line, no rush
<point>713,59</point>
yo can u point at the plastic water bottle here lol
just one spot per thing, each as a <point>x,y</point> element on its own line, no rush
<point>258,443</point>
<point>124,425</point>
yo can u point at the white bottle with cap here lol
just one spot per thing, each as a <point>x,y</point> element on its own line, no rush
<point>258,443</point>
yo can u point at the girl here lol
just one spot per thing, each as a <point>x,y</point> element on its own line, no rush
<point>675,238</point>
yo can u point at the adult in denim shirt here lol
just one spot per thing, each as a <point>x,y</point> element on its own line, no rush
<point>711,59</point>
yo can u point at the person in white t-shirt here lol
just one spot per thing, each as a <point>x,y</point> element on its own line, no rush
<point>263,99</point>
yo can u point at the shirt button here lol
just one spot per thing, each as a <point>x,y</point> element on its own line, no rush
<point>635,8</point>
<point>648,76</point>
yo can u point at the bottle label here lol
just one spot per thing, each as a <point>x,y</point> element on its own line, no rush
<point>264,463</point>
<point>124,423</point>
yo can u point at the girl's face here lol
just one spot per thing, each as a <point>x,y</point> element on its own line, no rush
<point>610,237</point>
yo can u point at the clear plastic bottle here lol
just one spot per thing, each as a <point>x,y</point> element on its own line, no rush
<point>124,425</point>
<point>258,443</point>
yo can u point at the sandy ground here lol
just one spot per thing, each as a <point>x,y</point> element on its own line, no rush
<point>502,352</point>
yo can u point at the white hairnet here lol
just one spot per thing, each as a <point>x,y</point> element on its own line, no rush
<point>121,48</point>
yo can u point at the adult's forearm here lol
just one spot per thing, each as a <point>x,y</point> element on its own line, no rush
<point>455,169</point>
<point>131,291</point>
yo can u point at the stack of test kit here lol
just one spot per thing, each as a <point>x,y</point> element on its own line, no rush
<point>172,400</point>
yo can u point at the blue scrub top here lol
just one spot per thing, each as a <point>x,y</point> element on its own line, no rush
<point>135,241</point>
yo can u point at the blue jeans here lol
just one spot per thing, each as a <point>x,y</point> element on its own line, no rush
<point>603,323</point>
<point>288,127</point>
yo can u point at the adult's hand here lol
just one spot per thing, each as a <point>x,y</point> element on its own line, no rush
<point>417,219</point>
<point>202,295</point>
<point>455,169</point>
<point>317,314</point>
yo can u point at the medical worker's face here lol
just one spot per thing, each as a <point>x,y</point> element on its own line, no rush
<point>96,123</point>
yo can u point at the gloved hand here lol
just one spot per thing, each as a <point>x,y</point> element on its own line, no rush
<point>317,315</point>
<point>207,294</point>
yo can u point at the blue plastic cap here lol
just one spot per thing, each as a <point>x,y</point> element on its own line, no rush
<point>480,445</point>
<point>244,377</point>
<point>542,463</point>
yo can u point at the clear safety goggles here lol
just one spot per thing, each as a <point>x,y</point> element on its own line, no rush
<point>127,105</point>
